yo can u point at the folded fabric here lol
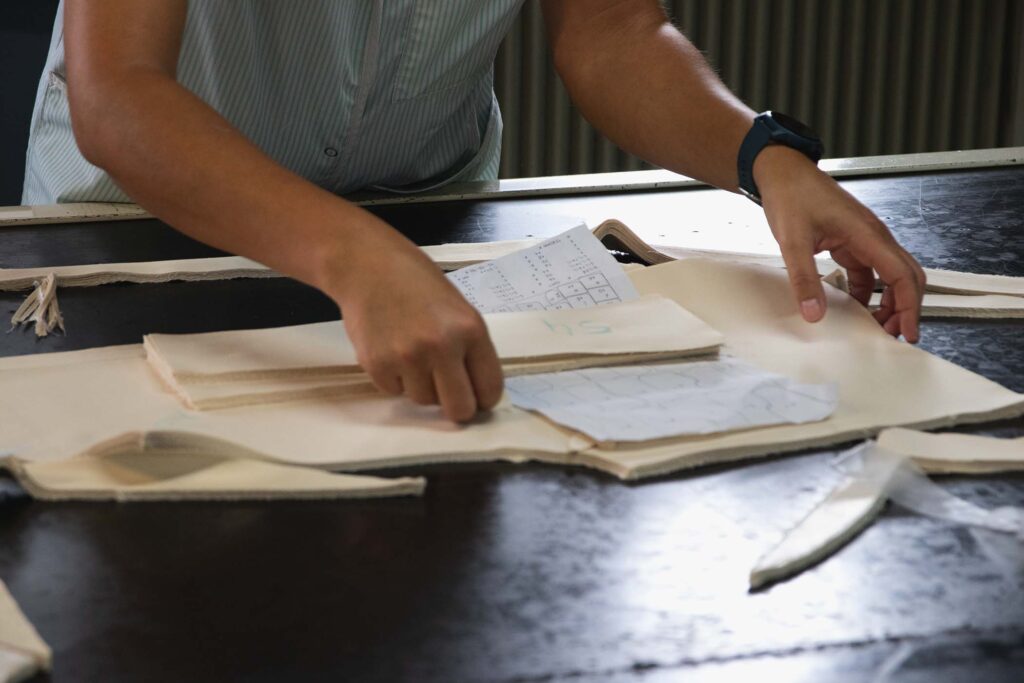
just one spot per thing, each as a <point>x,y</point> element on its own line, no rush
<point>23,652</point>
<point>129,468</point>
<point>951,453</point>
<point>247,367</point>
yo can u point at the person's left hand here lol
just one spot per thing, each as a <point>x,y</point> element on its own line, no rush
<point>808,213</point>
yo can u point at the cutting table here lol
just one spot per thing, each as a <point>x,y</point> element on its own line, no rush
<point>528,572</point>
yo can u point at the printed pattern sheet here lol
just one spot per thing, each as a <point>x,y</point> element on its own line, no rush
<point>637,403</point>
<point>572,270</point>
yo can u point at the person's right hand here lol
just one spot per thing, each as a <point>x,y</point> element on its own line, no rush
<point>413,332</point>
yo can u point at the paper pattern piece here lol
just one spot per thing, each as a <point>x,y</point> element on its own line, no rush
<point>844,513</point>
<point>23,652</point>
<point>643,403</point>
<point>952,453</point>
<point>227,369</point>
<point>572,270</point>
<point>127,469</point>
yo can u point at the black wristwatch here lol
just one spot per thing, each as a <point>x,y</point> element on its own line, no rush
<point>772,127</point>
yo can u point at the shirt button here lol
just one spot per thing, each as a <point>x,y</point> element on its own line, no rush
<point>331,152</point>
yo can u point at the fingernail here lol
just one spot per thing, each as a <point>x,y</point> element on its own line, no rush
<point>811,309</point>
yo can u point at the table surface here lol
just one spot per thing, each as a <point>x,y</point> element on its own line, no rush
<point>530,572</point>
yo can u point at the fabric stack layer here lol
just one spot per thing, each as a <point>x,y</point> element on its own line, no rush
<point>278,365</point>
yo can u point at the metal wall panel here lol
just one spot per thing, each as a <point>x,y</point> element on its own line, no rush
<point>872,76</point>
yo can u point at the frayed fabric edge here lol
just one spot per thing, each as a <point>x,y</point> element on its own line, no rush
<point>40,308</point>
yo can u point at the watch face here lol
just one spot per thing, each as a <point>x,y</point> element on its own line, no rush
<point>795,126</point>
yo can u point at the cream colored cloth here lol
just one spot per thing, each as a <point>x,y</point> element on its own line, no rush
<point>967,306</point>
<point>23,652</point>
<point>882,382</point>
<point>446,256</point>
<point>952,453</point>
<point>617,235</point>
<point>125,469</point>
<point>58,405</point>
<point>247,367</point>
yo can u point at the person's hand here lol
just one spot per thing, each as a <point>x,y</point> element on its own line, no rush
<point>808,213</point>
<point>413,332</point>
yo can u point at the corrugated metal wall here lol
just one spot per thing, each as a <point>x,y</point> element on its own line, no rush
<point>872,76</point>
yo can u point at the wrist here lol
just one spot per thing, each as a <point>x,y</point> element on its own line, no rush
<point>779,165</point>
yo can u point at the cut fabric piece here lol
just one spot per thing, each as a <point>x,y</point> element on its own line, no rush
<point>41,308</point>
<point>646,403</point>
<point>225,369</point>
<point>223,268</point>
<point>617,235</point>
<point>882,382</point>
<point>23,652</point>
<point>952,453</point>
<point>102,393</point>
<point>129,468</point>
<point>447,257</point>
<point>845,512</point>
<point>966,306</point>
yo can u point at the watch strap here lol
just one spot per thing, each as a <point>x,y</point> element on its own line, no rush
<point>759,136</point>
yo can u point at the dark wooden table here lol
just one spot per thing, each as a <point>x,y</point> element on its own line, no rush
<point>520,573</point>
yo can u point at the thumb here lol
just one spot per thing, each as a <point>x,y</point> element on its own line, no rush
<point>804,279</point>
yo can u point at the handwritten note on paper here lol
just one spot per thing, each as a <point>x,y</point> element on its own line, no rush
<point>638,403</point>
<point>572,270</point>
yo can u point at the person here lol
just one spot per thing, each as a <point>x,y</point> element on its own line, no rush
<point>240,122</point>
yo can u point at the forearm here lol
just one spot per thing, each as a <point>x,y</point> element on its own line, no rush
<point>184,163</point>
<point>646,87</point>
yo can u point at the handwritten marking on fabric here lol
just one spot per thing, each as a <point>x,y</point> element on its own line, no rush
<point>572,270</point>
<point>638,403</point>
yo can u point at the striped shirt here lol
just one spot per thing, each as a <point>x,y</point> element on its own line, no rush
<point>349,94</point>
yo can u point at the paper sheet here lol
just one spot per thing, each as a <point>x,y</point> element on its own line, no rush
<point>572,270</point>
<point>639,403</point>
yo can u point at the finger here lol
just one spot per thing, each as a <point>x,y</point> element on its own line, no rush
<point>908,293</point>
<point>418,381</point>
<point>485,373</point>
<point>804,279</point>
<point>384,377</point>
<point>860,276</point>
<point>899,271</point>
<point>885,308</point>
<point>455,391</point>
